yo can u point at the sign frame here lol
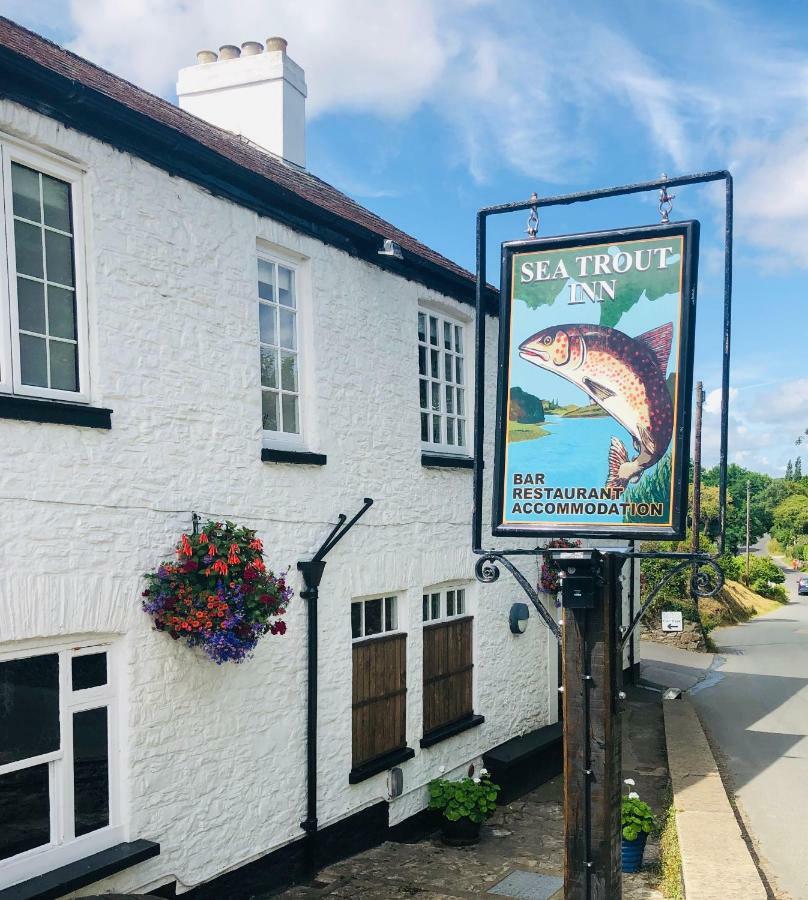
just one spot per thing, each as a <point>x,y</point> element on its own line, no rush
<point>680,439</point>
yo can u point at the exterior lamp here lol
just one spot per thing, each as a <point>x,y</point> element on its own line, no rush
<point>517,618</point>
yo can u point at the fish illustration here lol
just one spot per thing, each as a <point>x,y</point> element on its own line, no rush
<point>625,376</point>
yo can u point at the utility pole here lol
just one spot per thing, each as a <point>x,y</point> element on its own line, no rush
<point>748,489</point>
<point>696,511</point>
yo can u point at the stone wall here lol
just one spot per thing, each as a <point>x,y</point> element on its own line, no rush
<point>690,638</point>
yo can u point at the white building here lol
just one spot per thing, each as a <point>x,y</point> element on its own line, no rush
<point>140,249</point>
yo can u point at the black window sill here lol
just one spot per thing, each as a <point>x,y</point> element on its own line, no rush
<point>446,461</point>
<point>374,766</point>
<point>27,410</point>
<point>297,457</point>
<point>85,871</point>
<point>446,731</point>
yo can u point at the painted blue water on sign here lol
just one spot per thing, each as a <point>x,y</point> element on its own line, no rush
<point>574,454</point>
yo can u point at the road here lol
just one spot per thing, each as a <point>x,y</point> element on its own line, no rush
<point>753,699</point>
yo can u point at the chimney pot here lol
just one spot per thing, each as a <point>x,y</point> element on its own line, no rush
<point>229,51</point>
<point>277,43</point>
<point>206,56</point>
<point>251,48</point>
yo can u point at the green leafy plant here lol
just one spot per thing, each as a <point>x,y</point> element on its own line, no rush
<point>471,798</point>
<point>636,817</point>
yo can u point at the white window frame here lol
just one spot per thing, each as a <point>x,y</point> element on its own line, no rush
<point>10,375</point>
<point>282,439</point>
<point>442,316</point>
<point>442,591</point>
<point>64,847</point>
<point>385,598</point>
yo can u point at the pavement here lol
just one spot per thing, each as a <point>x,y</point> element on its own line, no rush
<point>752,698</point>
<point>523,840</point>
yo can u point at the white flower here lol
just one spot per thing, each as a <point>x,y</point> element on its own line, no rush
<point>476,780</point>
<point>633,795</point>
<point>630,782</point>
<point>442,769</point>
<point>483,771</point>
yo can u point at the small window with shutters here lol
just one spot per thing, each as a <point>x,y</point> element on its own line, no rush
<point>448,658</point>
<point>379,680</point>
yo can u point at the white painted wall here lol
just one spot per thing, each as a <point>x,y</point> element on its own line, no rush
<point>215,755</point>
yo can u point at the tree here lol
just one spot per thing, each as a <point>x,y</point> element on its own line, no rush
<point>798,469</point>
<point>789,471</point>
<point>760,507</point>
<point>791,519</point>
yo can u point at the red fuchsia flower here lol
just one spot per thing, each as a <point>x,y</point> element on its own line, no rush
<point>256,545</point>
<point>203,538</point>
<point>185,546</point>
<point>221,567</point>
<point>232,556</point>
<point>211,550</point>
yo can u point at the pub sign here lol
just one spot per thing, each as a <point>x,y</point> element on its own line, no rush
<point>595,380</point>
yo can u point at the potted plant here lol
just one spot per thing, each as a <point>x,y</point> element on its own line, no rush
<point>636,822</point>
<point>464,805</point>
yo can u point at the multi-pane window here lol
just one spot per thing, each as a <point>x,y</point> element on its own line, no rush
<point>57,770</point>
<point>45,353</point>
<point>443,604</point>
<point>442,382</point>
<point>379,690</point>
<point>372,617</point>
<point>279,339</point>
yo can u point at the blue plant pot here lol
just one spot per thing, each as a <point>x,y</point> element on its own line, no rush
<point>632,853</point>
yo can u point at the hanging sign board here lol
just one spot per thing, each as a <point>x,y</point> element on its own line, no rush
<point>595,379</point>
<point>672,621</point>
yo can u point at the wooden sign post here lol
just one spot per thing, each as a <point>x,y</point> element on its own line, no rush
<point>592,741</point>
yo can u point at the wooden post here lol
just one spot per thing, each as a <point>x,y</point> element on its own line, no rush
<point>592,746</point>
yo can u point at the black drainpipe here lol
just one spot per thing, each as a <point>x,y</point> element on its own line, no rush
<point>312,572</point>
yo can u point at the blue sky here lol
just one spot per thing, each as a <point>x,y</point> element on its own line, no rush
<point>426,110</point>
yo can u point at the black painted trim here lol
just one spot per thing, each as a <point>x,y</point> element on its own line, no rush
<point>445,461</point>
<point>446,731</point>
<point>297,457</point>
<point>380,764</point>
<point>85,871</point>
<point>27,410</point>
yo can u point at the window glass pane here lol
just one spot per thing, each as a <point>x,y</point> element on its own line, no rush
<point>425,607</point>
<point>461,409</point>
<point>390,614</point>
<point>288,337</point>
<point>90,770</point>
<point>458,339</point>
<point>28,248</point>
<point>266,280</point>
<point>435,395</point>
<point>33,361</point>
<point>435,606</point>
<point>435,429</point>
<point>31,305</point>
<point>421,327</point>
<point>356,620</point>
<point>286,287</point>
<point>433,330</point>
<point>56,197</point>
<point>373,617</point>
<point>25,191</point>
<point>448,366</point>
<point>449,399</point>
<point>59,257</point>
<point>289,411</point>
<point>461,602</point>
<point>269,410</point>
<point>459,366</point>
<point>63,371</point>
<point>29,707</point>
<point>89,671</point>
<point>288,371</point>
<point>450,603</point>
<point>61,312</point>
<point>24,810</point>
<point>422,394</point>
<point>269,367</point>
<point>434,363</point>
<point>461,433</point>
<point>266,316</point>
<point>424,427</point>
<point>422,360</point>
<point>447,335</point>
<point>450,430</point>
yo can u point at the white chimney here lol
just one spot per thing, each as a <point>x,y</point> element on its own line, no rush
<point>257,93</point>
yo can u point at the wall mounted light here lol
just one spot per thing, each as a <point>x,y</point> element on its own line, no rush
<point>517,618</point>
<point>391,248</point>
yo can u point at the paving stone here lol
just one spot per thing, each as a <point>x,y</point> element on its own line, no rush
<point>528,886</point>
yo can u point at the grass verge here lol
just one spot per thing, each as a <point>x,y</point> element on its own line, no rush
<point>670,859</point>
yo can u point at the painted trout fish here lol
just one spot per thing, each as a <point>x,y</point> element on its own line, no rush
<point>624,375</point>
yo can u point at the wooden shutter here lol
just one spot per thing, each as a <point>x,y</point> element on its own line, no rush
<point>448,670</point>
<point>379,697</point>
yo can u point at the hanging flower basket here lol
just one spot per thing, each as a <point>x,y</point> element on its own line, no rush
<point>218,595</point>
<point>549,582</point>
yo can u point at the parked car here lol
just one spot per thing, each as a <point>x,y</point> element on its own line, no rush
<point>802,585</point>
